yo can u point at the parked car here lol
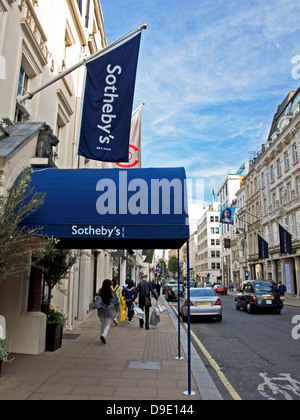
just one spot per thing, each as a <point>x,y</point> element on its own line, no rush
<point>222,290</point>
<point>171,292</point>
<point>209,286</point>
<point>203,302</point>
<point>259,294</point>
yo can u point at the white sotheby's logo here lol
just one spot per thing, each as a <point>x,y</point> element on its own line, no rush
<point>91,231</point>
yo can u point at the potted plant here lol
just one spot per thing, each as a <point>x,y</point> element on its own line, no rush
<point>4,353</point>
<point>55,324</point>
<point>55,265</point>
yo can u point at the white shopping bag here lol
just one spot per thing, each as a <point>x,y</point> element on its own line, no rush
<point>138,313</point>
<point>161,307</point>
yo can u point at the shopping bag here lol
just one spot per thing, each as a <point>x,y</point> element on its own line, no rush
<point>123,303</point>
<point>123,316</point>
<point>138,313</point>
<point>161,307</point>
<point>155,318</point>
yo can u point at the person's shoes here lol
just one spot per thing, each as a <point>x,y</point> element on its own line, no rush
<point>129,322</point>
<point>103,339</point>
<point>147,328</point>
<point>116,321</point>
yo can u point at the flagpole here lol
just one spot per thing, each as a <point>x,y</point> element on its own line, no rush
<point>138,108</point>
<point>30,95</point>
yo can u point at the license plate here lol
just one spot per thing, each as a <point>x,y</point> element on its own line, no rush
<point>269,302</point>
<point>203,303</point>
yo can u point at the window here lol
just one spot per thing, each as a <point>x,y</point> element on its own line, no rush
<point>286,161</point>
<point>295,154</point>
<point>279,169</point>
<point>272,173</point>
<point>274,201</point>
<point>79,2</point>
<point>298,185</point>
<point>23,83</point>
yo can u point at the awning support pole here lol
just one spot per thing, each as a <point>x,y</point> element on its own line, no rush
<point>189,391</point>
<point>179,355</point>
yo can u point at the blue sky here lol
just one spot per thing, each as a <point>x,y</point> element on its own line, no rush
<point>212,74</point>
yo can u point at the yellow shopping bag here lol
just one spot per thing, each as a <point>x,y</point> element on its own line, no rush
<point>123,316</point>
<point>123,303</point>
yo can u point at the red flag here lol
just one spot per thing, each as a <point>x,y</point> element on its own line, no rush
<point>134,143</point>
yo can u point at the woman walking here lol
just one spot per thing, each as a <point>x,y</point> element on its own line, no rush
<point>104,302</point>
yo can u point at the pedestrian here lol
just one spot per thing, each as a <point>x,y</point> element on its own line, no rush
<point>116,288</point>
<point>104,302</point>
<point>157,288</point>
<point>129,294</point>
<point>281,288</point>
<point>144,291</point>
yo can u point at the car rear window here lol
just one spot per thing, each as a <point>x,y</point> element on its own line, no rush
<point>263,286</point>
<point>202,293</point>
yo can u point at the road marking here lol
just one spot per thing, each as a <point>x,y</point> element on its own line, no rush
<point>215,366</point>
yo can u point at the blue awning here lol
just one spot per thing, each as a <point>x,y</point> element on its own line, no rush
<point>113,208</point>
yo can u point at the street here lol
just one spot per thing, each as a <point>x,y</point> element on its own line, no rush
<point>250,357</point>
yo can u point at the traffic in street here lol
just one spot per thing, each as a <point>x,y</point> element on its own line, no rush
<point>250,356</point>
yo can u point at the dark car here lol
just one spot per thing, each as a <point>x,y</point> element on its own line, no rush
<point>171,292</point>
<point>259,294</point>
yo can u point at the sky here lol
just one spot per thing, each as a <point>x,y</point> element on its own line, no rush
<point>211,74</point>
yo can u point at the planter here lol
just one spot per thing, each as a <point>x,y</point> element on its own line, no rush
<point>53,337</point>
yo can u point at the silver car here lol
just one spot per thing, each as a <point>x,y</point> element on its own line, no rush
<point>204,302</point>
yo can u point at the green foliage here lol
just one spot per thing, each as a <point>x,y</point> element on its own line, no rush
<point>53,316</point>
<point>173,265</point>
<point>15,205</point>
<point>55,265</point>
<point>4,353</point>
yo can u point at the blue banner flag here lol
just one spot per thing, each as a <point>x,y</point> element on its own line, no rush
<point>107,105</point>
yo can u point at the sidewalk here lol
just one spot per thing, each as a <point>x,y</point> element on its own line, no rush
<point>135,364</point>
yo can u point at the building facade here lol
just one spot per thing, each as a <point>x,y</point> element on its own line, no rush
<point>227,197</point>
<point>207,264</point>
<point>278,172</point>
<point>38,41</point>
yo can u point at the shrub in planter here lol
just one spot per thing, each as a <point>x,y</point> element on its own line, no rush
<point>4,353</point>
<point>55,323</point>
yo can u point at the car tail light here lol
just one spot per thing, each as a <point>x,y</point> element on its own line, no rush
<point>254,298</point>
<point>281,298</point>
<point>191,303</point>
<point>218,302</point>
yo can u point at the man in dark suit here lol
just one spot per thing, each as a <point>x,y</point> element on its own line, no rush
<point>144,291</point>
